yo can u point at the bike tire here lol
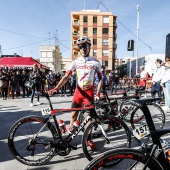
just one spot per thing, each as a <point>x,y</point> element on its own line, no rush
<point>128,156</point>
<point>20,137</point>
<point>117,132</point>
<point>157,114</point>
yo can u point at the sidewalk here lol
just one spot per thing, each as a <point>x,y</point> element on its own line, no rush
<point>13,109</point>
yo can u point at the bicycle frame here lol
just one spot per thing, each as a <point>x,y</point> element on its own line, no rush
<point>155,134</point>
<point>70,137</point>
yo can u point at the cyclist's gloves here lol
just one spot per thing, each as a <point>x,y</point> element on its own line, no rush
<point>97,97</point>
<point>51,92</point>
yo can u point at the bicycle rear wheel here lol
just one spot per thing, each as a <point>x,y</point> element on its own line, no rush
<point>131,160</point>
<point>29,140</point>
<point>118,135</point>
<point>158,116</point>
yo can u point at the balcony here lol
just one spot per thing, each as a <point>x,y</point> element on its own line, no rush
<point>76,16</point>
<point>114,35</point>
<point>75,47</point>
<point>114,24</point>
<point>114,46</point>
<point>75,35</point>
<point>76,25</point>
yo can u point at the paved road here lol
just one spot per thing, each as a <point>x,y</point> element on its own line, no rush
<point>12,110</point>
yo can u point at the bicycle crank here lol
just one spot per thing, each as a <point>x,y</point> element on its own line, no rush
<point>62,148</point>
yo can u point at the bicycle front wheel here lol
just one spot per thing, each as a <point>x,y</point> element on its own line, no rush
<point>30,140</point>
<point>131,159</point>
<point>117,136</point>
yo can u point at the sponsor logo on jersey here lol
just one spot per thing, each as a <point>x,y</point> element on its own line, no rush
<point>84,67</point>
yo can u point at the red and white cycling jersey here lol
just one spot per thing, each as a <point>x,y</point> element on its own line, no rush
<point>86,68</point>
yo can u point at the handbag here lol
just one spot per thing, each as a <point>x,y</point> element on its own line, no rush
<point>3,84</point>
<point>29,84</point>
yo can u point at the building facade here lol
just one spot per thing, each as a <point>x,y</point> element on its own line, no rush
<point>100,27</point>
<point>51,57</point>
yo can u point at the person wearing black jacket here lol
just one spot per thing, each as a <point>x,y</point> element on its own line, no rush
<point>35,77</point>
<point>24,78</point>
<point>115,80</point>
<point>4,88</point>
<point>14,83</point>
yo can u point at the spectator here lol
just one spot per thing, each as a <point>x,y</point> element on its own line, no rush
<point>115,80</point>
<point>57,76</point>
<point>64,88</point>
<point>156,80</point>
<point>143,77</point>
<point>14,83</point>
<point>4,83</point>
<point>36,77</point>
<point>18,74</point>
<point>24,78</point>
<point>51,80</point>
<point>43,82</point>
<point>165,83</point>
<point>72,82</point>
<point>104,78</point>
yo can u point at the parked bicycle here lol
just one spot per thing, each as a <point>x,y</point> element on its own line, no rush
<point>35,140</point>
<point>153,157</point>
<point>131,113</point>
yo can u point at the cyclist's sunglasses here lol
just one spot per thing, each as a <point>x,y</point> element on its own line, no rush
<point>84,46</point>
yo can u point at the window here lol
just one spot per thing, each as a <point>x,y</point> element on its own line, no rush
<point>105,63</point>
<point>76,22</point>
<point>94,41</point>
<point>85,30</point>
<point>75,32</point>
<point>94,19</point>
<point>85,19</point>
<point>105,20</point>
<point>105,53</point>
<point>105,30</point>
<point>75,53</point>
<point>105,42</point>
<point>94,52</point>
<point>94,30</point>
<point>75,43</point>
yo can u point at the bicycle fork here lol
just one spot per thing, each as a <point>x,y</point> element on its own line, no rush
<point>104,134</point>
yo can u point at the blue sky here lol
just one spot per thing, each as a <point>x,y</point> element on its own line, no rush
<point>27,24</point>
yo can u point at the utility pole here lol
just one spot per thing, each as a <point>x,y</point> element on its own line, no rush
<point>49,37</point>
<point>137,42</point>
<point>56,38</point>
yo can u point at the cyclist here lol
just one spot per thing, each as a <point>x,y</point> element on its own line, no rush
<point>86,67</point>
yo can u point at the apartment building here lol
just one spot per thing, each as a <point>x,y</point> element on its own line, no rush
<point>100,27</point>
<point>51,57</point>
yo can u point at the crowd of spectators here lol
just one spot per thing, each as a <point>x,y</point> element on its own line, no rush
<point>12,83</point>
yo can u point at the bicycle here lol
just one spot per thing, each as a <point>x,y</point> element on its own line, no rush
<point>34,140</point>
<point>131,113</point>
<point>151,157</point>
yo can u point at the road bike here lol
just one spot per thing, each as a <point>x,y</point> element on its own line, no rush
<point>153,157</point>
<point>131,113</point>
<point>35,140</point>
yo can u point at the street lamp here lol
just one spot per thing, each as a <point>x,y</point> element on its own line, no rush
<point>137,41</point>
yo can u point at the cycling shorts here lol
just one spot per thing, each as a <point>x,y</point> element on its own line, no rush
<point>82,97</point>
